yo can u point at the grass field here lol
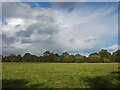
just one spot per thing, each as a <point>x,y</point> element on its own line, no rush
<point>60,75</point>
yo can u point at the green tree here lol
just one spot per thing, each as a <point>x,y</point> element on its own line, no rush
<point>40,59</point>
<point>105,55</point>
<point>116,56</point>
<point>65,57</point>
<point>19,58</point>
<point>94,58</point>
<point>12,58</point>
<point>47,53</point>
<point>29,58</point>
<point>26,57</point>
<point>80,59</point>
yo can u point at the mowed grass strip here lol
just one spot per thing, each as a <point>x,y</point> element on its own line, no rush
<point>60,75</point>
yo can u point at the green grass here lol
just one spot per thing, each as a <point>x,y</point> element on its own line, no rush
<point>60,75</point>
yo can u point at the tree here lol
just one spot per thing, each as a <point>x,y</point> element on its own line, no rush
<point>65,54</point>
<point>12,58</point>
<point>29,58</point>
<point>79,59</point>
<point>95,53</point>
<point>116,56</point>
<point>6,59</point>
<point>102,56</point>
<point>60,59</point>
<point>65,57</point>
<point>34,58</point>
<point>106,60</point>
<point>47,53</point>
<point>53,57</point>
<point>105,55</point>
<point>26,57</point>
<point>40,59</point>
<point>94,58</point>
<point>50,57</point>
<point>19,58</point>
<point>1,58</point>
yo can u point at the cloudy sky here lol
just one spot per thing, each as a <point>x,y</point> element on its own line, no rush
<point>79,27</point>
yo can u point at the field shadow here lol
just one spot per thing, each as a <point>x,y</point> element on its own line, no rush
<point>115,73</point>
<point>19,83</point>
<point>109,81</point>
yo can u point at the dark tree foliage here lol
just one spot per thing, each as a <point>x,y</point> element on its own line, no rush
<point>105,56</point>
<point>19,58</point>
<point>29,58</point>
<point>116,56</point>
<point>94,58</point>
<point>101,57</point>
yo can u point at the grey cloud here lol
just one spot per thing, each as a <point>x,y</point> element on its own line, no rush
<point>0,10</point>
<point>27,33</point>
<point>69,6</point>
<point>17,26</point>
<point>19,10</point>
<point>90,38</point>
<point>51,19</point>
<point>26,41</point>
<point>72,40</point>
<point>11,50</point>
<point>42,17</point>
<point>49,30</point>
<point>7,39</point>
<point>52,29</point>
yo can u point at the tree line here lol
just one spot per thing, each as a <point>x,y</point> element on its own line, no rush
<point>102,56</point>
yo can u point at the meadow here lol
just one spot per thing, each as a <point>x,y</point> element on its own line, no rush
<point>59,75</point>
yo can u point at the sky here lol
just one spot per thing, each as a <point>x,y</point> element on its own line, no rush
<point>75,27</point>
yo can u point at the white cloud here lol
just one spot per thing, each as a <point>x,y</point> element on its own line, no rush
<point>56,30</point>
<point>113,47</point>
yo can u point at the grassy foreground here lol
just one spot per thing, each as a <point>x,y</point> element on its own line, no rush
<point>60,75</point>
